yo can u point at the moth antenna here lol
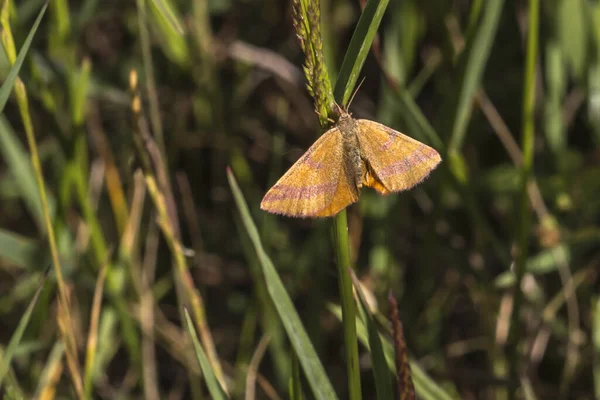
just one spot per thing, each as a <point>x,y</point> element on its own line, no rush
<point>356,91</point>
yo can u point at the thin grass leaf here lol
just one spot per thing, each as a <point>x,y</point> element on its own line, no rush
<point>8,84</point>
<point>528,392</point>
<point>92,344</point>
<point>358,49</point>
<point>381,374</point>
<point>18,334</point>
<point>523,222</point>
<point>20,168</point>
<point>556,88</point>
<point>167,11</point>
<point>313,369</point>
<point>18,249</point>
<point>215,389</point>
<point>596,343</point>
<point>426,388</point>
<point>172,42</point>
<point>295,387</point>
<point>51,373</point>
<point>80,91</point>
<point>477,57</point>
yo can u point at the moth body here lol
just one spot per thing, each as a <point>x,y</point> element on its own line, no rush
<point>353,162</point>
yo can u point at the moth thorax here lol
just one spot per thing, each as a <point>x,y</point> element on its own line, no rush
<point>349,129</point>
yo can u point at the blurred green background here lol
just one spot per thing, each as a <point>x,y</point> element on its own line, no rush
<point>222,84</point>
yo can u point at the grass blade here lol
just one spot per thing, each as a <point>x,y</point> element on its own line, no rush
<point>166,10</point>
<point>358,49</point>
<point>313,369</point>
<point>477,57</point>
<point>426,388</point>
<point>295,387</point>
<point>215,389</point>
<point>14,71</point>
<point>18,334</point>
<point>17,249</point>
<point>20,168</point>
<point>383,383</point>
<point>596,343</point>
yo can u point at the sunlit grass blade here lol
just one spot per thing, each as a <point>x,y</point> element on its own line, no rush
<point>381,372</point>
<point>313,369</point>
<point>92,344</point>
<point>19,250</point>
<point>166,10</point>
<point>51,373</point>
<point>18,334</point>
<point>295,386</point>
<point>596,343</point>
<point>524,217</point>
<point>8,84</point>
<point>168,32</point>
<point>358,49</point>
<point>17,160</point>
<point>476,59</point>
<point>215,389</point>
<point>426,388</point>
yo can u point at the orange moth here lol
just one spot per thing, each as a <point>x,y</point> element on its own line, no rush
<point>355,152</point>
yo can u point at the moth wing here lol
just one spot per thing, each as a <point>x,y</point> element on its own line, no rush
<point>317,185</point>
<point>394,161</point>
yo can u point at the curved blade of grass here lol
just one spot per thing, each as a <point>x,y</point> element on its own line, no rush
<point>596,343</point>
<point>313,369</point>
<point>426,388</point>
<point>358,49</point>
<point>295,386</point>
<point>167,11</point>
<point>17,249</point>
<point>14,71</point>
<point>215,389</point>
<point>381,374</point>
<point>172,42</point>
<point>18,334</point>
<point>20,168</point>
<point>477,57</point>
<point>51,372</point>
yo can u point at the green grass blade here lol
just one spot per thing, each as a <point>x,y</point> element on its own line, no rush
<point>381,373</point>
<point>421,128</point>
<point>14,71</point>
<point>215,389</point>
<point>19,250</point>
<point>21,170</point>
<point>358,49</point>
<point>18,334</point>
<point>426,388</point>
<point>313,369</point>
<point>596,343</point>
<point>477,58</point>
<point>172,42</point>
<point>295,388</point>
<point>167,11</point>
<point>524,217</point>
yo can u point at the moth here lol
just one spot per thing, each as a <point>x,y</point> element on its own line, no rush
<point>352,154</point>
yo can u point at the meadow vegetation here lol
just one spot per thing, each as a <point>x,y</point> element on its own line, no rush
<point>137,139</point>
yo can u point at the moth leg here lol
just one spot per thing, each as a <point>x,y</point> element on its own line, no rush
<point>370,179</point>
